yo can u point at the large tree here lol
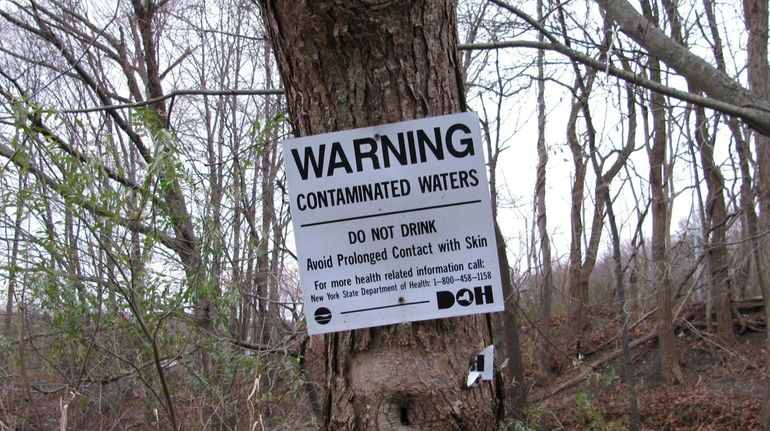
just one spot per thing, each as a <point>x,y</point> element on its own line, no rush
<point>354,64</point>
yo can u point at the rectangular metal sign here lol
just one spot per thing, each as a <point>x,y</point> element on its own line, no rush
<point>393,223</point>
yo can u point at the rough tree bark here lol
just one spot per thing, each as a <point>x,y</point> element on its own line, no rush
<point>353,64</point>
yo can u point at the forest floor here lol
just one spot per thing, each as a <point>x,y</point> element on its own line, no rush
<point>722,386</point>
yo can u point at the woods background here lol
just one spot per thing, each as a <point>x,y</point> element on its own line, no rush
<point>145,241</point>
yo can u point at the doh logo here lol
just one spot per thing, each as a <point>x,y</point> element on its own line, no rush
<point>464,297</point>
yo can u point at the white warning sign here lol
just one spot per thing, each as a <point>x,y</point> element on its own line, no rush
<point>393,223</point>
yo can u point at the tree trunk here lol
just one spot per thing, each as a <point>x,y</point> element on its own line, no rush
<point>716,218</point>
<point>670,370</point>
<point>714,223</point>
<point>634,422</point>
<point>747,202</point>
<point>578,283</point>
<point>580,268</point>
<point>546,293</point>
<point>353,64</point>
<point>669,357</point>
<point>756,12</point>
<point>505,328</point>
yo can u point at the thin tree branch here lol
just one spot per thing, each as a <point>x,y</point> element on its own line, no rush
<point>751,115</point>
<point>172,95</point>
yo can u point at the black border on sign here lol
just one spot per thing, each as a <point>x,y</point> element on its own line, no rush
<point>454,204</point>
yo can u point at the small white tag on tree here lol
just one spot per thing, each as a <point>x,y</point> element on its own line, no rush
<point>482,367</point>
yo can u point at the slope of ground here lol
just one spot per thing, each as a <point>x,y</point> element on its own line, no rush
<point>722,387</point>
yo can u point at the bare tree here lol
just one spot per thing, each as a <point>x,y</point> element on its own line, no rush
<point>756,13</point>
<point>135,190</point>
<point>715,222</point>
